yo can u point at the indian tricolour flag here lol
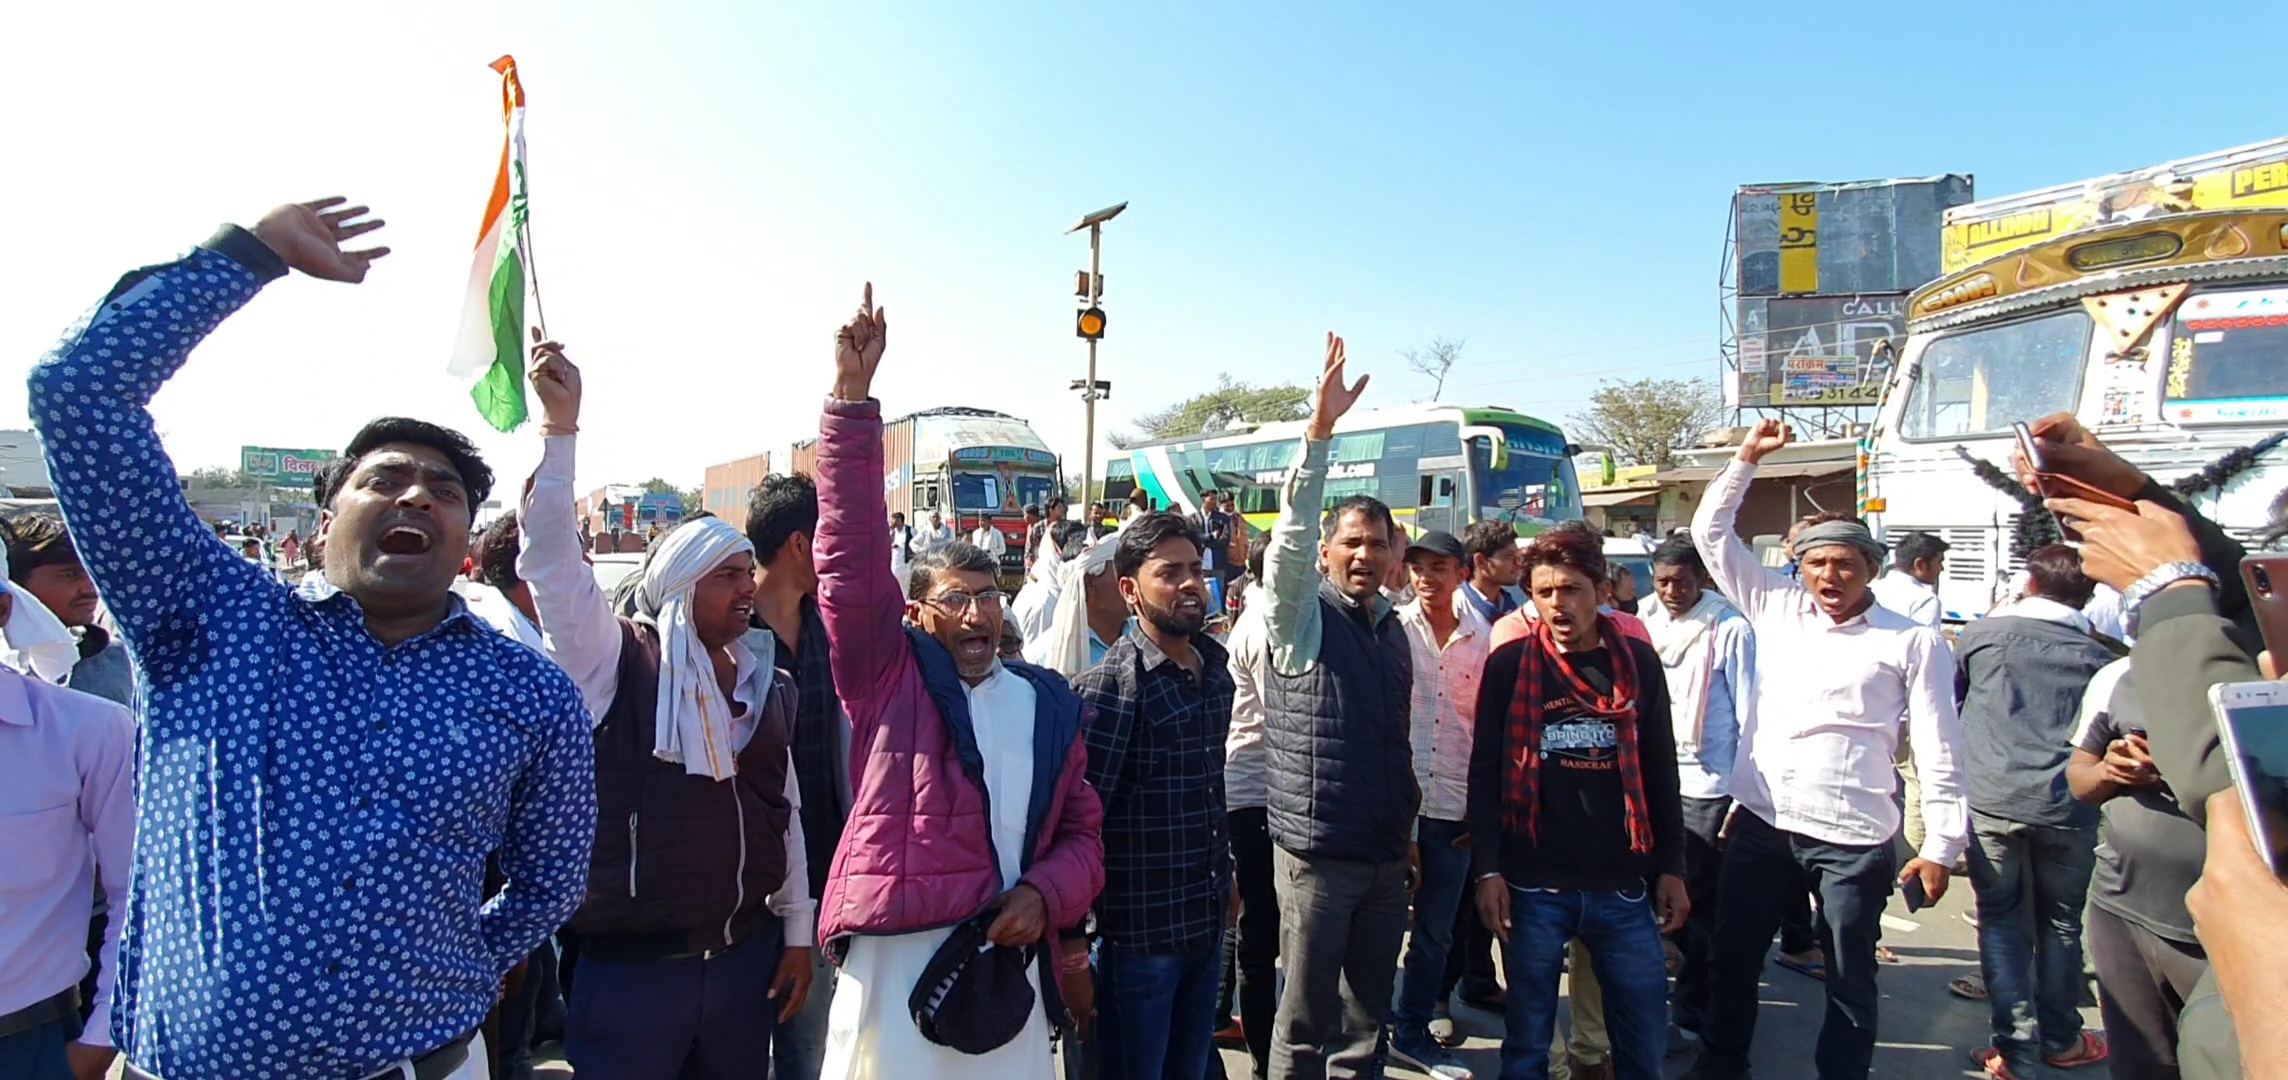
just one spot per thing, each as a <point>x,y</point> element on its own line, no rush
<point>490,349</point>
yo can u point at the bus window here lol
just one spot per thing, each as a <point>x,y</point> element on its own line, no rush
<point>1980,381</point>
<point>2228,347</point>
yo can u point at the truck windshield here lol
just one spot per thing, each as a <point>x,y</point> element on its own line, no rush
<point>1980,381</point>
<point>2229,348</point>
<point>1035,490</point>
<point>977,492</point>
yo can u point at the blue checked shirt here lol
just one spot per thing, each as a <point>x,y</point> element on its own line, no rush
<point>1155,756</point>
<point>314,810</point>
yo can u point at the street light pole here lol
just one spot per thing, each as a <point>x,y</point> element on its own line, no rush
<point>1089,323</point>
<point>1088,392</point>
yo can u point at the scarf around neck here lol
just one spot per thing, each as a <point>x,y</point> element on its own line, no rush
<point>1521,741</point>
<point>1690,673</point>
<point>693,725</point>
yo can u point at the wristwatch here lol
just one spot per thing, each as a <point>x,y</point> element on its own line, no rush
<point>2162,577</point>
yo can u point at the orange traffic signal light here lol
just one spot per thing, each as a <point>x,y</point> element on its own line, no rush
<point>1089,323</point>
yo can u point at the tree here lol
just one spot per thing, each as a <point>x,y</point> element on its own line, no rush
<point>1646,421</point>
<point>1230,402</point>
<point>1435,360</point>
<point>694,500</point>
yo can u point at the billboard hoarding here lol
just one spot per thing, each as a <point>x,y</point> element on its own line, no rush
<point>2245,178</point>
<point>1817,351</point>
<point>284,468</point>
<point>1872,236</point>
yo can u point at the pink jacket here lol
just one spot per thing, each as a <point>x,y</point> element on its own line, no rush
<point>917,851</point>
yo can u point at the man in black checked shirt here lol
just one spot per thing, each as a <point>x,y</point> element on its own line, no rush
<point>1161,706</point>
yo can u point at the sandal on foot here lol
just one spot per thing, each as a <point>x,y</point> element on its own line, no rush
<point>1991,1062</point>
<point>2088,1050</point>
<point>1817,969</point>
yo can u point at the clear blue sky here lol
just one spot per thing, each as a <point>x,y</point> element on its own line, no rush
<point>712,182</point>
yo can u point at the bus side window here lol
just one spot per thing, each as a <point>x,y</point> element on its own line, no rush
<point>1425,500</point>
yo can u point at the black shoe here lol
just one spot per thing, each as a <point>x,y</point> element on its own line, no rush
<point>1701,1071</point>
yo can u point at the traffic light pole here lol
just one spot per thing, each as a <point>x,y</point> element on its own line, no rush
<point>1088,392</point>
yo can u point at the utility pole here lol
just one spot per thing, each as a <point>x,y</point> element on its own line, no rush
<point>1088,324</point>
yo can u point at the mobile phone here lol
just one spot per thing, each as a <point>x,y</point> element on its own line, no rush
<point>2029,448</point>
<point>2252,723</point>
<point>1916,896</point>
<point>2056,485</point>
<point>2267,580</point>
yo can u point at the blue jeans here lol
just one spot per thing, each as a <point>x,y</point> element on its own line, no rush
<point>1623,940</point>
<point>1155,1012</point>
<point>2033,981</point>
<point>1445,875</point>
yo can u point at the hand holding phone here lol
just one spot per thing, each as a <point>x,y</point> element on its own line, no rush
<point>2057,485</point>
<point>2252,724</point>
<point>2267,579</point>
<point>1917,898</point>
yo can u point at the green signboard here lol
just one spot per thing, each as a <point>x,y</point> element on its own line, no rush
<point>285,468</point>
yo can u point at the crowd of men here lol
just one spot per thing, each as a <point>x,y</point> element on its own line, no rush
<point>814,797</point>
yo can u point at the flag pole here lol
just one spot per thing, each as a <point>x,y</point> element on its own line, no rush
<point>532,272</point>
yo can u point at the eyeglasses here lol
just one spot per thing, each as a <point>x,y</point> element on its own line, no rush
<point>956,603</point>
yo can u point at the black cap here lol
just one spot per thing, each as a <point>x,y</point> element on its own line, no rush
<point>1439,542</point>
<point>973,996</point>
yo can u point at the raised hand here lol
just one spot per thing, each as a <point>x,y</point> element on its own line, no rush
<point>2118,546</point>
<point>309,237</point>
<point>1334,397</point>
<point>1769,435</point>
<point>858,349</point>
<point>556,382</point>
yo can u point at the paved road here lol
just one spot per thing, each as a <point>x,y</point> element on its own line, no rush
<point>1926,1032</point>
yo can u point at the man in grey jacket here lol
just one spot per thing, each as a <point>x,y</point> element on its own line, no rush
<point>2019,679</point>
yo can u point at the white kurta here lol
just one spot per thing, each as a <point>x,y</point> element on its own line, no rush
<point>870,1034</point>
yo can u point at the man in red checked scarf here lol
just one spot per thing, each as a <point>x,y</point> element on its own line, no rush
<point>1579,831</point>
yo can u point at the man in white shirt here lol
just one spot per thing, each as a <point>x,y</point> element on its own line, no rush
<point>498,595</point>
<point>1449,640</point>
<point>989,539</point>
<point>1708,656</point>
<point>1910,586</point>
<point>1837,678</point>
<point>1257,948</point>
<point>938,535</point>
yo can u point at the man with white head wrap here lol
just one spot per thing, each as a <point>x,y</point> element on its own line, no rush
<point>1087,615</point>
<point>32,640</point>
<point>43,565</point>
<point>698,917</point>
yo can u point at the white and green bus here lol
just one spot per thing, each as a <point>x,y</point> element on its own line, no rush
<point>1437,466</point>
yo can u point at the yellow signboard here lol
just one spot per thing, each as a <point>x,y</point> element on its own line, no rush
<point>2251,178</point>
<point>1799,242</point>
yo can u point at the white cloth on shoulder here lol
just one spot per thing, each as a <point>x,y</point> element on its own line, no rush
<point>1062,646</point>
<point>694,720</point>
<point>37,643</point>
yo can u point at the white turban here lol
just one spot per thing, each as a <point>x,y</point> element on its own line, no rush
<point>1063,646</point>
<point>694,721</point>
<point>36,642</point>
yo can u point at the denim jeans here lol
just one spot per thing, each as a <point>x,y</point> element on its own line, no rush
<point>2038,875</point>
<point>1445,873</point>
<point>1623,940</point>
<point>1155,1012</point>
<point>1762,874</point>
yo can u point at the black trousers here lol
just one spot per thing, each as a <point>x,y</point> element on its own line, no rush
<point>1703,863</point>
<point>1256,954</point>
<point>1757,882</point>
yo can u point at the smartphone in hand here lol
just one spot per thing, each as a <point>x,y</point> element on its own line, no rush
<point>1916,896</point>
<point>2057,485</point>
<point>2266,576</point>
<point>2252,723</point>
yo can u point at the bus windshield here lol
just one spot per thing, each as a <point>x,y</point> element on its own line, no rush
<point>1980,381</point>
<point>2228,356</point>
<point>1534,487</point>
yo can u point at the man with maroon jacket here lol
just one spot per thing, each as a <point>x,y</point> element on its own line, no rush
<point>696,928</point>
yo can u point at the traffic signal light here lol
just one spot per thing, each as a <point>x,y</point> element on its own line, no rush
<point>1089,323</point>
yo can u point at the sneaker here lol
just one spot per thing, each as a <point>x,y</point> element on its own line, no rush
<point>1442,1027</point>
<point>1418,1049</point>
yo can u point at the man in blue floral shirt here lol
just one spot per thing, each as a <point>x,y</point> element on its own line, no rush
<point>323,772</point>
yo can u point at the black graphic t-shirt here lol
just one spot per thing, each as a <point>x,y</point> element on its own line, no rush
<point>1584,837</point>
